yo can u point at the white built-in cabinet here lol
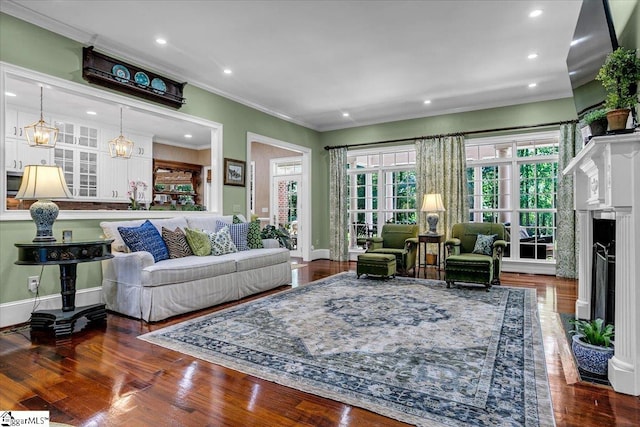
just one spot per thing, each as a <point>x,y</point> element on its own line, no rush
<point>117,173</point>
<point>82,151</point>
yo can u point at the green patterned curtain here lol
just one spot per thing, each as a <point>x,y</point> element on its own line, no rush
<point>566,234</point>
<point>441,168</point>
<point>338,215</point>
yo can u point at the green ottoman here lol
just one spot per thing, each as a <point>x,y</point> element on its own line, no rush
<point>376,264</point>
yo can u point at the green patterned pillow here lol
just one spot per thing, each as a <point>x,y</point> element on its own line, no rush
<point>484,244</point>
<point>198,242</point>
<point>176,242</point>
<point>254,240</point>
<point>221,242</point>
<point>237,220</point>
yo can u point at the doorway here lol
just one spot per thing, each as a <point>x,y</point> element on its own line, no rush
<point>261,150</point>
<point>286,179</point>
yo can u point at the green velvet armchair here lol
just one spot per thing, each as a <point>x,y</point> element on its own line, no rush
<point>469,260</point>
<point>400,240</point>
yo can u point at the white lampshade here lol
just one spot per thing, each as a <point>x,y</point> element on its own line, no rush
<point>432,203</point>
<point>43,182</point>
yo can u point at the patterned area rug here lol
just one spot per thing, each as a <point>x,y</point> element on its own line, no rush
<point>405,348</point>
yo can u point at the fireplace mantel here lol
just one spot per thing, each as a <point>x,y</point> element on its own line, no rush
<point>606,176</point>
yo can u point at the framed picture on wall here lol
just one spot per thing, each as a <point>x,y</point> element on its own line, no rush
<point>234,172</point>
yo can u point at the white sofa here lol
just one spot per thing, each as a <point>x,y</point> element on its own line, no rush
<point>134,285</point>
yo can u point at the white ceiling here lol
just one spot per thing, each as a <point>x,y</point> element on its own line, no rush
<point>312,61</point>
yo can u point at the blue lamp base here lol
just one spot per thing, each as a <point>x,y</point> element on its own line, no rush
<point>44,214</point>
<point>432,220</point>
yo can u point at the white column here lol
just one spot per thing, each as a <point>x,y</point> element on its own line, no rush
<point>624,367</point>
<point>583,303</point>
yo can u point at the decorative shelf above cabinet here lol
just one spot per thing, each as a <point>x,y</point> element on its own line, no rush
<point>109,72</point>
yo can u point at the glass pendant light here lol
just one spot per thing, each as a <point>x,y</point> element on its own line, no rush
<point>40,134</point>
<point>121,147</point>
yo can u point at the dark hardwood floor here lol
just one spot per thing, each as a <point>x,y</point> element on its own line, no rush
<point>108,377</point>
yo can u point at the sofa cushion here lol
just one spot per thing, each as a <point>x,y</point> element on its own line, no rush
<point>221,242</point>
<point>110,229</point>
<point>186,269</point>
<point>198,242</point>
<point>207,222</point>
<point>238,233</point>
<point>258,258</point>
<point>176,242</point>
<point>484,244</point>
<point>145,238</point>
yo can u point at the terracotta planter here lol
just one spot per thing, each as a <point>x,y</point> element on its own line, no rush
<point>618,118</point>
<point>591,358</point>
<point>599,127</point>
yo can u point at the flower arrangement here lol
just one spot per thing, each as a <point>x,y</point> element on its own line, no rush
<point>134,197</point>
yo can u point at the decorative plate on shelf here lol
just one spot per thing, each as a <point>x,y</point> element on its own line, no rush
<point>141,78</point>
<point>121,72</point>
<point>158,85</point>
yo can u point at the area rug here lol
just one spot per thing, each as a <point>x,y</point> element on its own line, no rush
<point>409,349</point>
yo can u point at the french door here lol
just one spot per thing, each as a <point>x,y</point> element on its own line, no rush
<point>285,203</point>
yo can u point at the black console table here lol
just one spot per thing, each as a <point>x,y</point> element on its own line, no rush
<point>67,255</point>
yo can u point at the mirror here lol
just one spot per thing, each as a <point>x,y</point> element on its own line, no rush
<point>87,118</point>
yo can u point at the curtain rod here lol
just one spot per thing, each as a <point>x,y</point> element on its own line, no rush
<point>473,132</point>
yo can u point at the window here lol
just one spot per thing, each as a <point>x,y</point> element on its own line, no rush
<point>526,204</point>
<point>382,189</point>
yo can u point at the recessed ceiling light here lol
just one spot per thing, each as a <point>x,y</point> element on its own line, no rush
<point>10,94</point>
<point>227,71</point>
<point>533,84</point>
<point>535,13</point>
<point>161,41</point>
<point>345,114</point>
<point>188,135</point>
<point>91,113</point>
<point>532,56</point>
<point>427,101</point>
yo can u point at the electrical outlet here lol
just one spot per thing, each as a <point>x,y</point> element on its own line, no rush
<point>32,283</point>
<point>236,208</point>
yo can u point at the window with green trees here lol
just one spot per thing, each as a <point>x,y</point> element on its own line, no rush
<point>382,189</point>
<point>526,202</point>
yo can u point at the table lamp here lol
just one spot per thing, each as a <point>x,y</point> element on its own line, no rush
<point>43,183</point>
<point>432,203</point>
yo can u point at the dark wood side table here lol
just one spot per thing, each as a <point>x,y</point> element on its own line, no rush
<point>67,255</point>
<point>423,239</point>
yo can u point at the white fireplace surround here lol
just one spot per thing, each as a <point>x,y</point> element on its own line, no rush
<point>607,185</point>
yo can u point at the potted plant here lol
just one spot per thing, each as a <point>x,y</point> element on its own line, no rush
<point>597,121</point>
<point>619,75</point>
<point>592,345</point>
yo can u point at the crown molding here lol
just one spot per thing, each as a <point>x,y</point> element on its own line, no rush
<point>20,11</point>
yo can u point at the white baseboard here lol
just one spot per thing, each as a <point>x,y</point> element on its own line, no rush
<point>17,312</point>
<point>529,267</point>
<point>318,254</point>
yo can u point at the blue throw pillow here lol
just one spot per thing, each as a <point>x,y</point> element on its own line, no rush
<point>484,244</point>
<point>145,238</point>
<point>239,233</point>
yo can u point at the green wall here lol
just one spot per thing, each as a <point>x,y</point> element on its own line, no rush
<point>34,48</point>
